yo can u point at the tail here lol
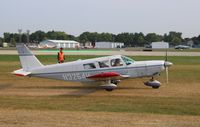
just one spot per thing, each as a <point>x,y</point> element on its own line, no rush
<point>27,59</point>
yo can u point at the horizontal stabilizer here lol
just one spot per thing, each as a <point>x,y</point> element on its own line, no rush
<point>21,72</point>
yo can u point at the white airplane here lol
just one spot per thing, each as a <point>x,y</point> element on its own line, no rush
<point>106,72</point>
<point>182,47</point>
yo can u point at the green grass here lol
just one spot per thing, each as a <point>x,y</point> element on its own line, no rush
<point>156,105</point>
<point>184,73</point>
<point>180,60</point>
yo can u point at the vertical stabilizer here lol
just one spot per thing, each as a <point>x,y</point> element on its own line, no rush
<point>27,59</point>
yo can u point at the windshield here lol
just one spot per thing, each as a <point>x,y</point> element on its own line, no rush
<point>127,60</point>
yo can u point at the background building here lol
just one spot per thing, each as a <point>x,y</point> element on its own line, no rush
<point>160,45</point>
<point>109,45</point>
<point>59,43</point>
<point>5,44</point>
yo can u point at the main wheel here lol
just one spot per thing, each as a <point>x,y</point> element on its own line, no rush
<point>109,90</point>
<point>115,82</point>
<point>155,87</point>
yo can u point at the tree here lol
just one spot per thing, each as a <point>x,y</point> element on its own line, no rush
<point>140,39</point>
<point>6,37</point>
<point>196,40</point>
<point>37,36</point>
<point>127,38</point>
<point>24,38</point>
<point>56,35</point>
<point>96,37</point>
<point>174,38</point>
<point>61,36</point>
<point>51,35</point>
<point>153,37</point>
<point>84,37</point>
<point>72,37</point>
<point>106,37</point>
<point>1,42</point>
<point>93,37</point>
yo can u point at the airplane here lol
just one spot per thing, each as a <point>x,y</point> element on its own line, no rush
<point>106,72</point>
<point>182,47</point>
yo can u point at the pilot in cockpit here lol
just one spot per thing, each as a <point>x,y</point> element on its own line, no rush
<point>117,62</point>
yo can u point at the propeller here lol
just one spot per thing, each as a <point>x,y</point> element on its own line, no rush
<point>167,72</point>
<point>166,65</point>
<point>166,55</point>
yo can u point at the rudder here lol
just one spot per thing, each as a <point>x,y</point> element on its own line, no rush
<point>27,59</point>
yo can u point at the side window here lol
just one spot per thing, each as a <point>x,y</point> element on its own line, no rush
<point>89,66</point>
<point>116,62</point>
<point>103,64</point>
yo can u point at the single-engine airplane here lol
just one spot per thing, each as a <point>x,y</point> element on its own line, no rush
<point>106,72</point>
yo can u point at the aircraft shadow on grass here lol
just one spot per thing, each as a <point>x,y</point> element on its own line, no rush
<point>5,86</point>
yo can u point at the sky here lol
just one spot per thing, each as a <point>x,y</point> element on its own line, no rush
<point>113,16</point>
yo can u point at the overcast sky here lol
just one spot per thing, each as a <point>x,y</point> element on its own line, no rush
<point>115,16</point>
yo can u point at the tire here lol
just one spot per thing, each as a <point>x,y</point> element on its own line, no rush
<point>109,90</point>
<point>155,87</point>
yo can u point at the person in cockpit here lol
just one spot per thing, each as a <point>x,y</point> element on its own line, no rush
<point>117,62</point>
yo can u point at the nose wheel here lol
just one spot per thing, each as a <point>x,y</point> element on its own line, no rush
<point>153,83</point>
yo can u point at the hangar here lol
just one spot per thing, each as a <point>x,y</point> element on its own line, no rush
<point>59,43</point>
<point>109,45</point>
<point>159,45</point>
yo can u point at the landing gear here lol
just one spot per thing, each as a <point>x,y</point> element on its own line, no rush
<point>109,85</point>
<point>115,81</point>
<point>153,83</point>
<point>112,85</point>
<point>109,90</point>
<point>155,87</point>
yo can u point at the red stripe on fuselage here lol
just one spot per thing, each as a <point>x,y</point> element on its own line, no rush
<point>105,75</point>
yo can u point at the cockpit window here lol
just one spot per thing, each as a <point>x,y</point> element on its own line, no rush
<point>103,64</point>
<point>127,60</point>
<point>116,62</point>
<point>89,66</point>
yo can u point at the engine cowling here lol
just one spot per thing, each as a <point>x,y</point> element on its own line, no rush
<point>109,87</point>
<point>154,84</point>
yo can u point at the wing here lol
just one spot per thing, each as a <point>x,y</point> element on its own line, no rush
<point>107,80</point>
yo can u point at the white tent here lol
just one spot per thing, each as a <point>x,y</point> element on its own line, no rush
<point>159,45</point>
<point>59,43</point>
<point>109,45</point>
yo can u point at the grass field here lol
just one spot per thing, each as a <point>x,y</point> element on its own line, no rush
<point>42,102</point>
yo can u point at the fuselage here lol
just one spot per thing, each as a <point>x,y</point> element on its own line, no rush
<point>80,70</point>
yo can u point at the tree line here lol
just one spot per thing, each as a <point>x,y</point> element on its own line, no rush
<point>129,39</point>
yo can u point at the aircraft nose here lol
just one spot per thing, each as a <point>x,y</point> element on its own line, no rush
<point>168,64</point>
